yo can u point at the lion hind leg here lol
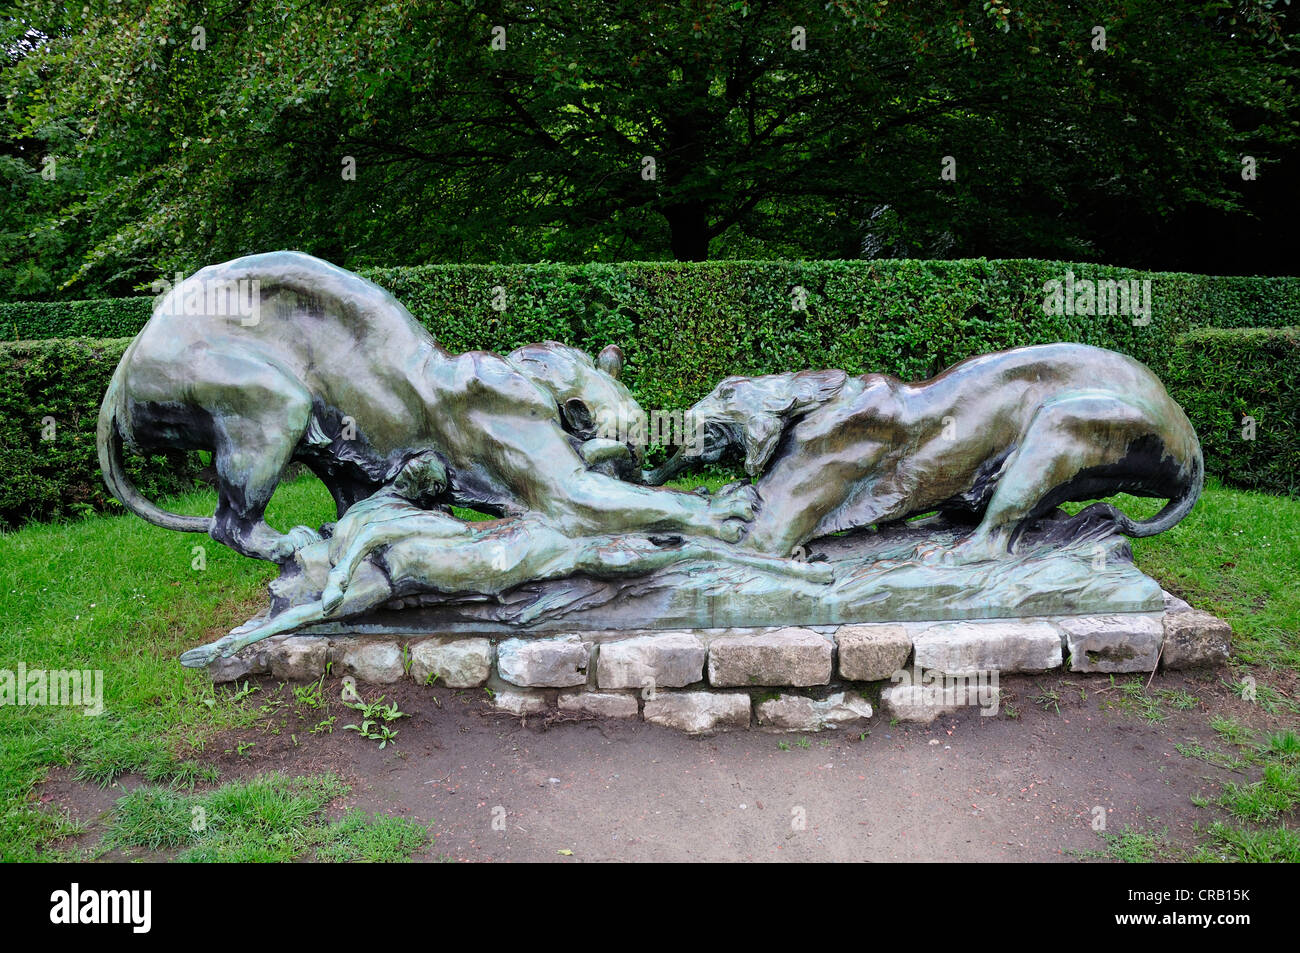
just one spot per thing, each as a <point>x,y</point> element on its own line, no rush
<point>259,416</point>
<point>1065,438</point>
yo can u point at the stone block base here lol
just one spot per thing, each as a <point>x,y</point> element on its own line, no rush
<point>708,680</point>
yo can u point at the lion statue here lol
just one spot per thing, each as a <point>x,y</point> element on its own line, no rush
<point>998,440</point>
<point>282,357</point>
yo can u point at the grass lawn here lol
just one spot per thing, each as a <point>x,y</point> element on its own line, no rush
<point>116,594</point>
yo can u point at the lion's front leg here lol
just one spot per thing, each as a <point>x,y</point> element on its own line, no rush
<point>536,461</point>
<point>593,504</point>
<point>804,488</point>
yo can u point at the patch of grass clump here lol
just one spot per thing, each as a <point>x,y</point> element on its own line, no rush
<point>268,819</point>
<point>371,838</point>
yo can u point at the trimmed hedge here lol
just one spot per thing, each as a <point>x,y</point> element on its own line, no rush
<point>96,318</point>
<point>685,325</point>
<point>1221,377</point>
<point>50,392</point>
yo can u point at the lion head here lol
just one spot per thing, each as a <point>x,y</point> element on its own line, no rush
<point>749,414</point>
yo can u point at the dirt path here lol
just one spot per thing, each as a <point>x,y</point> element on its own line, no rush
<point>967,788</point>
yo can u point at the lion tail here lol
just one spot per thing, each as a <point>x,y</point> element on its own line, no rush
<point>109,444</point>
<point>1174,510</point>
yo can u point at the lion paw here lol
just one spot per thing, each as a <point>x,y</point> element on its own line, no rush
<point>332,597</point>
<point>737,501</point>
<point>297,538</point>
<point>975,550</point>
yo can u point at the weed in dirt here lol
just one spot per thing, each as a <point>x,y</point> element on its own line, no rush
<point>1277,792</point>
<point>182,773</point>
<point>1284,745</point>
<point>243,691</point>
<point>311,695</point>
<point>1179,698</point>
<point>1259,693</point>
<point>1049,698</point>
<point>153,818</point>
<point>1258,830</point>
<point>1217,758</point>
<point>105,756</point>
<point>375,719</point>
<point>1132,846</point>
<point>108,752</point>
<point>325,726</point>
<point>1230,730</point>
<point>1275,845</point>
<point>1134,699</point>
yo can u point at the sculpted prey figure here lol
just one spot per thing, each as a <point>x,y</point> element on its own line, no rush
<point>329,369</point>
<point>1000,439</point>
<point>416,548</point>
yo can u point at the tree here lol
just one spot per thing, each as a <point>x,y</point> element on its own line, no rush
<point>421,131</point>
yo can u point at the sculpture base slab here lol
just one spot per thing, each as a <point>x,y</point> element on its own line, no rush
<point>878,577</point>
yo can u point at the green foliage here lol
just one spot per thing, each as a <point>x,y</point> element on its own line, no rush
<point>120,595</point>
<point>686,325</point>
<point>1134,846</point>
<point>50,393</point>
<point>267,819</point>
<point>98,318</point>
<point>1269,845</point>
<point>359,837</point>
<point>173,148</point>
<point>1224,376</point>
<point>375,719</point>
<point>1259,827</point>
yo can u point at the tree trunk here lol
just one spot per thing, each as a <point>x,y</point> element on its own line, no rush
<point>685,208</point>
<point>688,225</point>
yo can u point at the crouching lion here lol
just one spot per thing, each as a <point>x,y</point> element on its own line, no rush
<point>283,357</point>
<point>1001,439</point>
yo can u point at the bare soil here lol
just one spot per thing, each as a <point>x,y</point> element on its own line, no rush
<point>493,787</point>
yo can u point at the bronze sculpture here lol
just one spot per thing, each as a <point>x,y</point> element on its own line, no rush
<point>931,500</point>
<point>999,440</point>
<point>333,372</point>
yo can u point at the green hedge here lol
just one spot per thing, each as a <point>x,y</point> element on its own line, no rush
<point>1221,377</point>
<point>50,392</point>
<point>97,318</point>
<point>684,325</point>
